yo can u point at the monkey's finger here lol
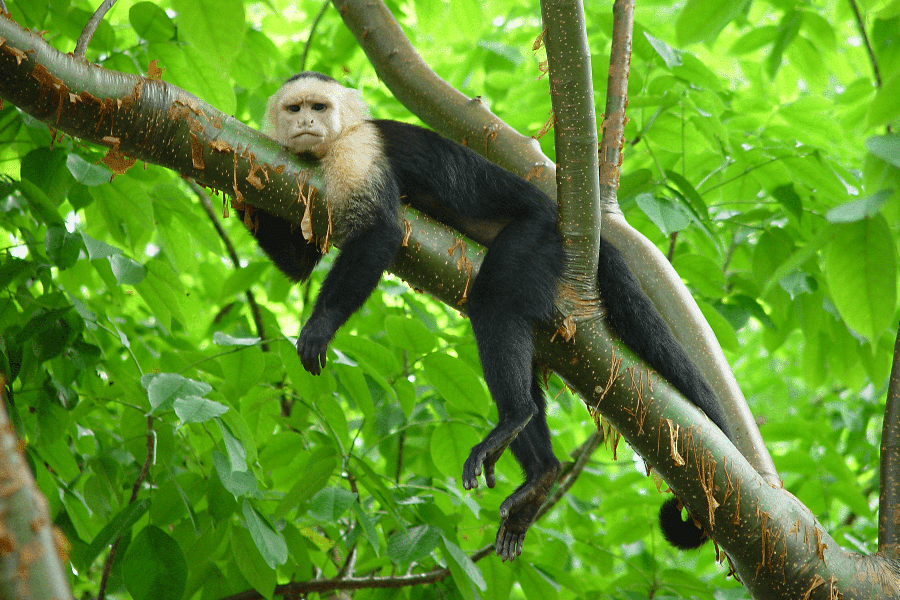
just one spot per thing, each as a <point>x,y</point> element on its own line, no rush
<point>489,478</point>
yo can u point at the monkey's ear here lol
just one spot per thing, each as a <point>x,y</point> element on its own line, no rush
<point>270,121</point>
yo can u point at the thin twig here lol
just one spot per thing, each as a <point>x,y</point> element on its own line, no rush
<point>865,36</point>
<point>312,33</point>
<point>135,489</point>
<point>88,32</point>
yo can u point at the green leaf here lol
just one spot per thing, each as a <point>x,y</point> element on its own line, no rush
<point>62,247</point>
<point>245,278</point>
<point>472,572</point>
<point>155,566</point>
<point>118,525</point>
<point>271,545</point>
<point>450,446</point>
<point>665,214</point>
<point>87,173</point>
<point>702,273</point>
<point>164,388</point>
<point>413,544</point>
<point>251,563</point>
<point>885,147</point>
<point>702,20</point>
<point>858,210</point>
<point>236,455</point>
<point>239,483</point>
<point>884,107</point>
<point>368,526</point>
<point>409,334</point>
<point>330,504</point>
<point>40,205</point>
<point>315,475</point>
<point>126,271</point>
<point>670,56</point>
<point>861,268</point>
<point>151,22</point>
<point>194,409</point>
<point>457,383</point>
<point>97,249</point>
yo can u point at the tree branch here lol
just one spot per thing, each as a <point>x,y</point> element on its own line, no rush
<point>31,566</point>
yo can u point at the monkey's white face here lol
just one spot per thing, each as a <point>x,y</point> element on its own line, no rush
<point>307,115</point>
<point>306,120</point>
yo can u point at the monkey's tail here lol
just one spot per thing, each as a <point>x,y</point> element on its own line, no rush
<point>633,317</point>
<point>682,534</point>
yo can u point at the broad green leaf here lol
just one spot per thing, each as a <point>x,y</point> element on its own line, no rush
<point>87,173</point>
<point>702,273</point>
<point>155,566</point>
<point>239,483</point>
<point>450,447</point>
<point>368,525</point>
<point>884,107</point>
<point>664,213</point>
<point>251,563</point>
<point>858,209</point>
<point>457,556</point>
<point>194,409</point>
<point>330,504</point>
<point>413,544</point>
<point>164,388</point>
<point>702,20</point>
<point>151,22</point>
<point>120,523</point>
<point>62,247</point>
<point>271,545</point>
<point>885,147</point>
<point>861,268</point>
<point>456,382</point>
<point>409,334</point>
<point>237,457</point>
<point>314,476</point>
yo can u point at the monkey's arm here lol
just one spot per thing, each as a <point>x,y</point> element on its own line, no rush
<point>283,242</point>
<point>351,280</point>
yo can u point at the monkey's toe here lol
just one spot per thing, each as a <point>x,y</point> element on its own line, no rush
<point>509,542</point>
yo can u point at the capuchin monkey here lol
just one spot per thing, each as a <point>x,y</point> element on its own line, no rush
<point>369,167</point>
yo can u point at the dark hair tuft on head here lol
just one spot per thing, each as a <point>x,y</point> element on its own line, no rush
<point>311,75</point>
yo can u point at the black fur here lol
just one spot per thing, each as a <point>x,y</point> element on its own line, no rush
<point>514,288</point>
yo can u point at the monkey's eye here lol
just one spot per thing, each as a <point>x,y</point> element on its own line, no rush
<point>293,108</point>
<point>319,106</point>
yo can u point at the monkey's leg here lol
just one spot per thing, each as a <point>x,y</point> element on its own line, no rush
<point>515,287</point>
<point>533,451</point>
<point>351,280</point>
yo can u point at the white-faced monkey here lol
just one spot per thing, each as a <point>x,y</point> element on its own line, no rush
<point>369,167</point>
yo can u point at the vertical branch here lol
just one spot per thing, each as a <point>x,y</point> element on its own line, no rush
<point>575,136</point>
<point>30,568</point>
<point>613,124</point>
<point>889,495</point>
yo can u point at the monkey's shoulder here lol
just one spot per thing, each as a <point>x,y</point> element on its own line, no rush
<point>355,162</point>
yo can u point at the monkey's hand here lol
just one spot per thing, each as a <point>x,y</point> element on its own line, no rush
<point>519,511</point>
<point>312,345</point>
<point>486,453</point>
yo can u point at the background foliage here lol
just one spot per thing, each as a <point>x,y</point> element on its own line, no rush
<point>756,157</point>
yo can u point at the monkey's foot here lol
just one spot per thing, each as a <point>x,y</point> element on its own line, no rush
<point>485,454</point>
<point>519,511</point>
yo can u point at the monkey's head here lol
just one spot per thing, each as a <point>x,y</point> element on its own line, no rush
<point>310,111</point>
